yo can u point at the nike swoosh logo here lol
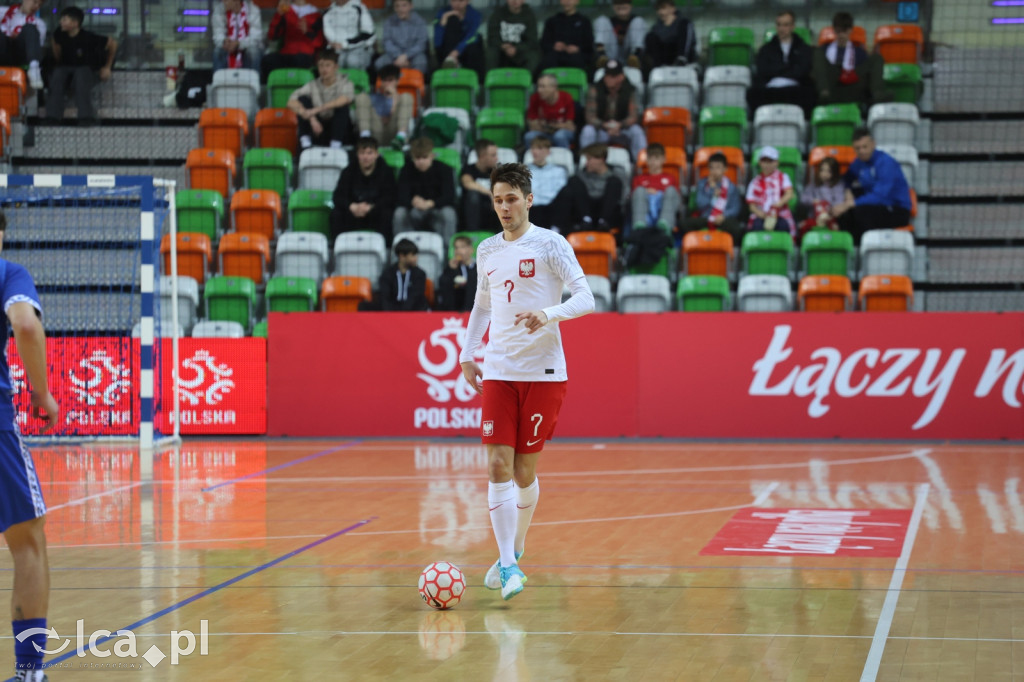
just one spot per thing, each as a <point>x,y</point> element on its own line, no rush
<point>492,272</point>
<point>533,442</point>
<point>526,507</point>
<point>493,508</point>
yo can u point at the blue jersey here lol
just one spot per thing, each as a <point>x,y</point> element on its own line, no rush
<point>16,286</point>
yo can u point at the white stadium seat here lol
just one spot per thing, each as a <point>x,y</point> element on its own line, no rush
<point>643,294</point>
<point>726,86</point>
<point>432,252</point>
<point>886,252</point>
<point>780,125</point>
<point>320,167</point>
<point>765,293</point>
<point>188,300</point>
<point>505,155</point>
<point>360,254</point>
<point>220,329</point>
<point>894,123</point>
<point>236,89</point>
<point>302,254</point>
<point>906,156</point>
<point>602,290</point>
<point>674,86</point>
<point>558,156</point>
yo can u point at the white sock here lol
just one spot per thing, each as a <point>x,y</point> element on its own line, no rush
<point>305,141</point>
<point>34,64</point>
<point>365,133</point>
<point>526,502</point>
<point>501,499</point>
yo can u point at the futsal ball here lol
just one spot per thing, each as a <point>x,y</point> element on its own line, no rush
<point>442,585</point>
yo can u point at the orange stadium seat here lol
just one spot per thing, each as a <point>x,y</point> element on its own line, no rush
<point>675,163</point>
<point>244,255</point>
<point>899,43</point>
<point>825,293</point>
<point>858,36</point>
<point>343,294</point>
<point>411,81</point>
<point>844,155</point>
<point>913,203</point>
<point>595,251</point>
<point>707,252</point>
<point>668,126</point>
<point>256,211</point>
<point>5,134</point>
<point>733,157</point>
<point>886,292</point>
<point>277,129</point>
<point>211,169</point>
<point>12,91</point>
<point>195,254</point>
<point>428,292</point>
<point>223,129</point>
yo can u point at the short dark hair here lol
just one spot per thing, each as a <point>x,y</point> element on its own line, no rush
<point>324,53</point>
<point>462,238</point>
<point>842,21</point>
<point>389,71</point>
<point>540,141</point>
<point>718,157</point>
<point>787,13</point>
<point>483,144</point>
<point>368,142</point>
<point>73,13</point>
<point>656,148</point>
<point>516,175</point>
<point>596,151</point>
<point>3,221</point>
<point>404,247</point>
<point>665,3</point>
<point>861,132</point>
<point>420,147</point>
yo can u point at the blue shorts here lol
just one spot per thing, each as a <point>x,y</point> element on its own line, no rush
<point>20,497</point>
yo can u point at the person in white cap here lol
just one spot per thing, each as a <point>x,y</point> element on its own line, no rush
<point>768,195</point>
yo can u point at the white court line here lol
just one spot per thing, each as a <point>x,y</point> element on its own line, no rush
<point>892,595</point>
<point>83,500</point>
<point>189,542</point>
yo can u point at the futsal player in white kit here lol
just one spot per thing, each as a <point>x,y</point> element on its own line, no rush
<point>521,272</point>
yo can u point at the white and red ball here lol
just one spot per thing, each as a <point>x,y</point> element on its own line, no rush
<point>442,585</point>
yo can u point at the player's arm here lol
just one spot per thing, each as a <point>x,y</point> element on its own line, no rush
<point>580,303</point>
<point>479,319</point>
<point>31,341</point>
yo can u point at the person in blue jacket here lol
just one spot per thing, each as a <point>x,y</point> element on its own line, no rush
<point>877,196</point>
<point>456,43</point>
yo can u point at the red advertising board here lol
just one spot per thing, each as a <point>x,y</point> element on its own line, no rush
<point>750,375</point>
<point>812,532</point>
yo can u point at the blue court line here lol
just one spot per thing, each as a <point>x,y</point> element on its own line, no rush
<point>300,460</point>
<point>215,588</point>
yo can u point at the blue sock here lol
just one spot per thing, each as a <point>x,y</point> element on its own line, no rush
<point>26,656</point>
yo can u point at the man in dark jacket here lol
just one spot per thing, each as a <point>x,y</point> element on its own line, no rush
<point>672,40</point>
<point>844,72</point>
<point>365,196</point>
<point>878,195</point>
<point>403,285</point>
<point>426,193</point>
<point>512,37</point>
<point>457,287</point>
<point>568,39</point>
<point>83,58</point>
<point>783,74</point>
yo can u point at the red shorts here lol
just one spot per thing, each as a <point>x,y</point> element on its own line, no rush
<point>521,414</point>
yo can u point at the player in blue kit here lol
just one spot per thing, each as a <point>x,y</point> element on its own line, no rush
<point>22,511</point>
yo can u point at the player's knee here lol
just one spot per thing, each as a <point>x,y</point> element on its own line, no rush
<point>499,470</point>
<point>28,537</point>
<point>524,474</point>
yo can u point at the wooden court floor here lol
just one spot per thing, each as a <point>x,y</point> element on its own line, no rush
<point>875,562</point>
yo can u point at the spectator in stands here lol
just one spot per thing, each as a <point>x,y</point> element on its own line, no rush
<point>22,36</point>
<point>322,105</point>
<point>672,40</point>
<point>768,195</point>
<point>879,196</point>
<point>426,193</point>
<point>405,39</point>
<point>551,114</point>
<point>237,35</point>
<point>365,195</point>
<point>385,114</point>
<point>568,39</point>
<point>299,27</point>
<point>475,178</point>
<point>548,181</point>
<point>655,200</point>
<point>456,43</point>
<point>844,72</point>
<point>457,285</point>
<point>512,40</point>
<point>349,31</point>
<point>621,36</point>
<point>819,196</point>
<point>612,115</point>
<point>783,69</point>
<point>718,201</point>
<point>403,284</point>
<point>592,199</point>
<point>82,57</point>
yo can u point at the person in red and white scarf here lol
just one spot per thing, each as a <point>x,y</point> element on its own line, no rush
<point>22,35</point>
<point>300,28</point>
<point>843,72</point>
<point>718,201</point>
<point>237,35</point>
<point>768,196</point>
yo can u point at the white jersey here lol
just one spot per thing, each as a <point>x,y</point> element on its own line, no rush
<point>12,20</point>
<point>525,275</point>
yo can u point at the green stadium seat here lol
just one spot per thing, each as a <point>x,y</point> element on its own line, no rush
<point>456,88</point>
<point>507,88</point>
<point>903,81</point>
<point>802,31</point>
<point>310,211</point>
<point>268,169</point>
<point>282,82</point>
<point>230,299</point>
<point>730,46</point>
<point>703,294</point>
<point>259,329</point>
<point>573,81</point>
<point>477,237</point>
<point>827,252</point>
<point>665,267</point>
<point>291,295</point>
<point>767,253</point>
<point>723,127</point>
<point>451,158</point>
<point>360,79</point>
<point>790,163</point>
<point>200,210</point>
<point>833,125</point>
<point>393,158</point>
<point>503,126</point>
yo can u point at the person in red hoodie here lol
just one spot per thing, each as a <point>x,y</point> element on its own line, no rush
<point>299,27</point>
